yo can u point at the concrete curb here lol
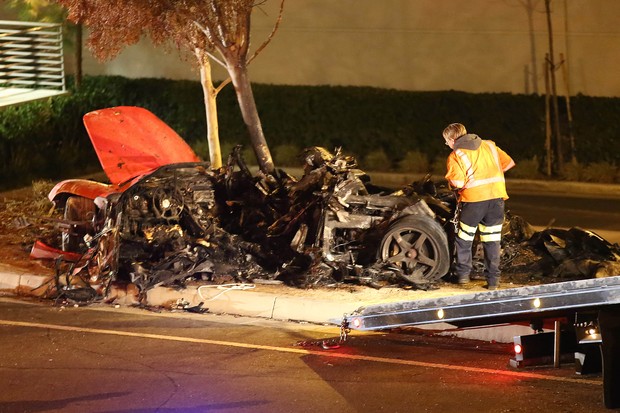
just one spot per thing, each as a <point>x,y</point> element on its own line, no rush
<point>252,302</point>
<point>271,302</point>
<point>22,283</point>
<point>249,300</point>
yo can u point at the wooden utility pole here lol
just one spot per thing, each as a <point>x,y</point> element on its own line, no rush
<point>530,9</point>
<point>548,147</point>
<point>566,75</point>
<point>554,94</point>
<point>569,113</point>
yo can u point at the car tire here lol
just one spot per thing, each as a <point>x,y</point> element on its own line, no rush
<point>417,247</point>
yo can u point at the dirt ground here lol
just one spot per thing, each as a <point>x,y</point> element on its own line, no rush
<point>25,216</point>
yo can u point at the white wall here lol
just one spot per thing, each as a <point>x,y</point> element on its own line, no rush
<point>473,46</point>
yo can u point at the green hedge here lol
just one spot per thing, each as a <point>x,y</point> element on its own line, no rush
<point>46,139</point>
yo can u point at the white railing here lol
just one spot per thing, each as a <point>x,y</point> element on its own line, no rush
<point>31,61</point>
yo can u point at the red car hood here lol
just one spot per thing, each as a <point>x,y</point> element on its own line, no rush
<point>131,141</point>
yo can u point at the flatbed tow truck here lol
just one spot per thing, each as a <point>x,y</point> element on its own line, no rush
<point>593,305</point>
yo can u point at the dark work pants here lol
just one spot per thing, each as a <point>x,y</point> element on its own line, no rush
<point>486,217</point>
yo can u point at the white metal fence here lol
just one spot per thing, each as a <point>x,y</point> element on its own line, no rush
<point>31,61</point>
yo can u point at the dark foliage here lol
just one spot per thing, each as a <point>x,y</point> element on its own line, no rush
<point>46,139</point>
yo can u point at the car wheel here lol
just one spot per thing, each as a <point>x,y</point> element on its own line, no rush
<point>78,209</point>
<point>417,246</point>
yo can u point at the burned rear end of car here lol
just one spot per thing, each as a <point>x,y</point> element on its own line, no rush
<point>364,233</point>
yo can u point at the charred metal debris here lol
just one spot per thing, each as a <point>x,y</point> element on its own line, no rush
<point>187,222</point>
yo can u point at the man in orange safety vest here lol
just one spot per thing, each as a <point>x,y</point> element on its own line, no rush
<point>476,171</point>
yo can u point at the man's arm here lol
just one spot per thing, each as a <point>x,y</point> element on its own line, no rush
<point>505,160</point>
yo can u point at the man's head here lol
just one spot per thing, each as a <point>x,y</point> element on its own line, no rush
<point>452,132</point>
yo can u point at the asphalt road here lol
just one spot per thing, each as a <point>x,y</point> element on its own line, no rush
<point>123,360</point>
<point>540,203</point>
<point>567,211</point>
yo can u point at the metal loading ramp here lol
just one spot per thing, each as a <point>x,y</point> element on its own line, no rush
<point>599,296</point>
<point>486,308</point>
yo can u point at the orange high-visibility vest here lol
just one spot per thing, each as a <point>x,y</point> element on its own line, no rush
<point>479,174</point>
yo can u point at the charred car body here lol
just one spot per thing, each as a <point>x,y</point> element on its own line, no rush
<point>166,217</point>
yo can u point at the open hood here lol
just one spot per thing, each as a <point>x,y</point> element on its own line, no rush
<point>131,141</point>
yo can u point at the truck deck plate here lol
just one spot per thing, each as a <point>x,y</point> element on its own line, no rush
<point>484,308</point>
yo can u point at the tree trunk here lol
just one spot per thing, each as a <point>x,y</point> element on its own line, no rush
<point>249,112</point>
<point>209,93</point>
<point>78,56</point>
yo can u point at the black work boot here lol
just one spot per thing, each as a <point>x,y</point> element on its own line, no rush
<point>492,283</point>
<point>463,279</point>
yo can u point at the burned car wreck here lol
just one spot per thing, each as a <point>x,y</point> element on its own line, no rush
<point>167,218</point>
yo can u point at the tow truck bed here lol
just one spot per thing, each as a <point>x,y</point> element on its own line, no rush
<point>492,307</point>
<point>600,296</point>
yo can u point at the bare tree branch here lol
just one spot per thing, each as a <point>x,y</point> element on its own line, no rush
<point>273,32</point>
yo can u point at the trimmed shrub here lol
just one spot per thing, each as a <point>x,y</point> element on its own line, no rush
<point>201,147</point>
<point>287,155</point>
<point>526,169</point>
<point>226,148</point>
<point>376,161</point>
<point>602,172</point>
<point>414,162</point>
<point>438,167</point>
<point>248,156</point>
<point>46,139</point>
<point>573,172</point>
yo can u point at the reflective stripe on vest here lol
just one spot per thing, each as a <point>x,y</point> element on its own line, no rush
<point>471,181</point>
<point>469,172</point>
